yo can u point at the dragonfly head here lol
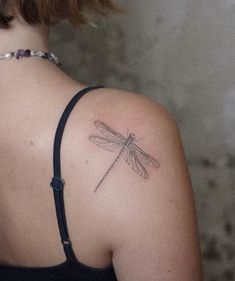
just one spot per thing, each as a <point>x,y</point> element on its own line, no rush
<point>130,139</point>
<point>133,136</point>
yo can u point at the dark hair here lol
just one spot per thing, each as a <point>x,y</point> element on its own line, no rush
<point>49,12</point>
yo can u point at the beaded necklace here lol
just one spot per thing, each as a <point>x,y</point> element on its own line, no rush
<point>20,53</point>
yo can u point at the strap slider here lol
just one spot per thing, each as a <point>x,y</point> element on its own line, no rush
<point>66,242</point>
<point>57,183</point>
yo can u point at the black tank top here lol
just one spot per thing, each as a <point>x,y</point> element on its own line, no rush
<point>71,269</point>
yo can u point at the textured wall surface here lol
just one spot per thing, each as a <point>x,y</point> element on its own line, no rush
<point>181,53</point>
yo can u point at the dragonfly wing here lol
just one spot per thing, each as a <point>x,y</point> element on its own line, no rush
<point>132,160</point>
<point>109,133</point>
<point>144,157</point>
<point>105,143</point>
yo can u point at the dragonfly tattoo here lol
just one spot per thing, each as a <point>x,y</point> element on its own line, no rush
<point>132,153</point>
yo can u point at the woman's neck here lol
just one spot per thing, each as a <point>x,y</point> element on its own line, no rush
<point>17,73</point>
<point>23,35</point>
<point>33,74</point>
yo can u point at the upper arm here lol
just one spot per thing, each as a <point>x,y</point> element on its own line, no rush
<point>152,222</point>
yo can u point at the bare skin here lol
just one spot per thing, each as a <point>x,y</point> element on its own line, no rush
<point>152,230</point>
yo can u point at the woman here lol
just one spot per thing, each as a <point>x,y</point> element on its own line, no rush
<point>123,197</point>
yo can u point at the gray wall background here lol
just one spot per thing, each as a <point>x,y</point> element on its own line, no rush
<point>181,53</point>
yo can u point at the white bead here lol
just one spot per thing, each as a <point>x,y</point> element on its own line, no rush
<point>7,56</point>
<point>40,53</point>
<point>33,53</point>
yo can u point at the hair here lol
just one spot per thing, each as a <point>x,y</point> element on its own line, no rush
<point>50,12</point>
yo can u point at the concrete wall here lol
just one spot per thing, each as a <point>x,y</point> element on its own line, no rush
<point>181,53</point>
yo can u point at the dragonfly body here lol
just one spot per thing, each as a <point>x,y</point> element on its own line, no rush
<point>131,138</point>
<point>110,167</point>
<point>133,154</point>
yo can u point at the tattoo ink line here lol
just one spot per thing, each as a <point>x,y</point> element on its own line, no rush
<point>133,154</point>
<point>110,168</point>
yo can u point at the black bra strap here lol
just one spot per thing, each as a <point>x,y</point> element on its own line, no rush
<point>57,183</point>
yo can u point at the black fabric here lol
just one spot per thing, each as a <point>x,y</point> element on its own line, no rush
<point>68,271</point>
<point>71,269</point>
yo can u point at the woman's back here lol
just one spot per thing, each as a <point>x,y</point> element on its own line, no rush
<point>140,224</point>
<point>29,118</point>
<point>118,220</point>
<point>27,205</point>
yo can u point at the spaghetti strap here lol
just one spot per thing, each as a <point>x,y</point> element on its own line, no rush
<point>57,182</point>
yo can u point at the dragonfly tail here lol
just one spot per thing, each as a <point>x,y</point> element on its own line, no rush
<point>110,168</point>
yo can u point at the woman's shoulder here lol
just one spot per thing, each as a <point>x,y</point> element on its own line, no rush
<point>134,135</point>
<point>126,113</point>
<point>131,155</point>
<point>111,116</point>
<point>148,197</point>
<point>118,114</point>
<point>128,106</point>
<point>105,123</point>
<point>121,97</point>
